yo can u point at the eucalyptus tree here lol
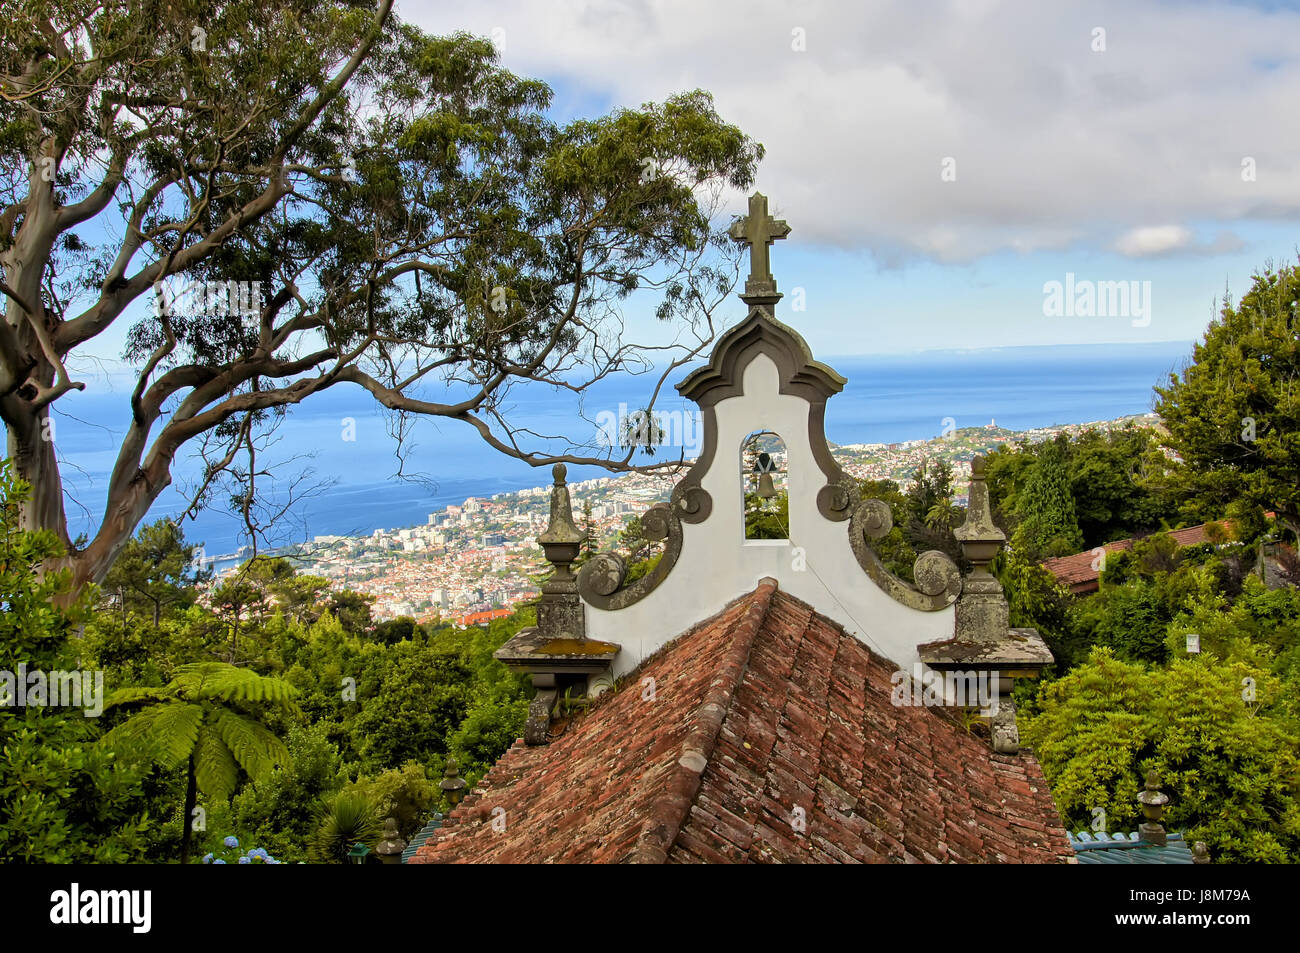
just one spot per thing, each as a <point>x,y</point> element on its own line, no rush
<point>269,199</point>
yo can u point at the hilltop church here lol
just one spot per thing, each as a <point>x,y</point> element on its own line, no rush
<point>766,699</point>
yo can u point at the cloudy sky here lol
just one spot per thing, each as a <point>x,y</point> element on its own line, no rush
<point>941,162</point>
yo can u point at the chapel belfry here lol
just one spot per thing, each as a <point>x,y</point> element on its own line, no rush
<point>761,378</point>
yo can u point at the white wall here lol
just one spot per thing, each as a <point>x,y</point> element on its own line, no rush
<point>717,564</point>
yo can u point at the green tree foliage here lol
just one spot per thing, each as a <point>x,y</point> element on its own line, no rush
<point>929,493</point>
<point>392,631</point>
<point>767,518</point>
<point>1145,589</point>
<point>1036,600</point>
<point>1131,620</point>
<point>279,811</point>
<point>633,542</point>
<point>352,609</point>
<point>1048,524</point>
<point>1108,482</point>
<point>156,570</point>
<point>235,598</point>
<point>405,794</point>
<point>1229,764</point>
<point>929,515</point>
<point>924,517</point>
<point>206,719</point>
<point>415,693</point>
<point>895,550</point>
<point>1258,616</point>
<point>1233,414</point>
<point>63,799</point>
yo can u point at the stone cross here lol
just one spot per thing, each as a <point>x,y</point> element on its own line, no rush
<point>758,230</point>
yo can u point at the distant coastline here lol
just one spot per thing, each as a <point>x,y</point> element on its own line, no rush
<point>888,399</point>
<point>469,559</point>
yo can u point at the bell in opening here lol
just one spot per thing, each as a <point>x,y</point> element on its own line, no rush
<point>766,488</point>
<point>767,505</point>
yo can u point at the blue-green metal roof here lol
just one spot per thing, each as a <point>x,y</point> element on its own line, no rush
<point>1121,848</point>
<point>420,837</point>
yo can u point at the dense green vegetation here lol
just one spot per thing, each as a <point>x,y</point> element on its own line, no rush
<point>1220,726</point>
<point>273,710</point>
<point>289,722</point>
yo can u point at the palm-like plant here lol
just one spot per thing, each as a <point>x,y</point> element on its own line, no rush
<point>348,818</point>
<point>196,720</point>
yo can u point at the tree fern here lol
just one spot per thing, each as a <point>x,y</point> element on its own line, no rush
<point>253,746</point>
<point>129,696</point>
<point>190,721</point>
<point>165,733</point>
<point>217,680</point>
<point>215,769</point>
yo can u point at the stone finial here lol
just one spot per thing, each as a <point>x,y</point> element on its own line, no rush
<point>391,846</point>
<point>983,640</point>
<point>1200,853</point>
<point>452,784</point>
<point>758,230</point>
<point>1153,802</point>
<point>561,540</point>
<point>982,614</point>
<point>559,613</point>
<point>556,652</point>
<point>979,536</point>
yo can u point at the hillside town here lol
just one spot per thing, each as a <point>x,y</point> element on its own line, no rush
<point>476,560</point>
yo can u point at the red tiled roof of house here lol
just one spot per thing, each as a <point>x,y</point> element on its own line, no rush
<point>474,618</point>
<point>1077,571</point>
<point>765,718</point>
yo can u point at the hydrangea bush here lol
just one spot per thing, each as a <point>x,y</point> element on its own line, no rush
<point>229,853</point>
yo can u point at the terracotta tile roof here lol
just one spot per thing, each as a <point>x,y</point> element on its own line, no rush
<point>475,618</point>
<point>1076,571</point>
<point>763,720</point>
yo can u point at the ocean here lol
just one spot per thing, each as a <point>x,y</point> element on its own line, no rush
<point>343,438</point>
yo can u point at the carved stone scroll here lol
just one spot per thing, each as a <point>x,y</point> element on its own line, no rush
<point>601,579</point>
<point>938,580</point>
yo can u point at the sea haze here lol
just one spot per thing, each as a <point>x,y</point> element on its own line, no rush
<point>888,398</point>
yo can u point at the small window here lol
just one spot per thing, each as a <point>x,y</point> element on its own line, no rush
<point>763,476</point>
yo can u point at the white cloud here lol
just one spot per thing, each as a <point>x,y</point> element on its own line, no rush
<point>1154,240</point>
<point>1054,144</point>
<point>1150,241</point>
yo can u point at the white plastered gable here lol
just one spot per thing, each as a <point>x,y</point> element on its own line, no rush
<point>761,378</point>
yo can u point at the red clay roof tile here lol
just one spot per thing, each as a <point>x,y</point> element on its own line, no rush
<point>1077,570</point>
<point>771,738</point>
